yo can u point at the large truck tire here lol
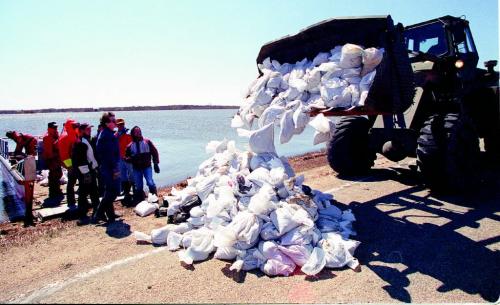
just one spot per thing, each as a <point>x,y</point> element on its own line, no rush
<point>448,153</point>
<point>348,150</point>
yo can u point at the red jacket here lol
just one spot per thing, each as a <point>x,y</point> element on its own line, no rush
<point>50,149</point>
<point>26,141</point>
<point>65,144</point>
<point>124,140</point>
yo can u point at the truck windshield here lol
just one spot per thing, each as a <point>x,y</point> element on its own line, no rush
<point>429,38</point>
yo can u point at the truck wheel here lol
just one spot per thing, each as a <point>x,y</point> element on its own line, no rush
<point>348,151</point>
<point>448,153</point>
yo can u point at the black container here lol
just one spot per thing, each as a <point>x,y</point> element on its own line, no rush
<point>393,88</point>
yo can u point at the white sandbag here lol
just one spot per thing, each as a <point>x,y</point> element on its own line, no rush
<point>277,263</point>
<point>269,232</point>
<point>300,119</point>
<point>145,208</point>
<point>283,220</point>
<point>142,237</point>
<point>372,57</point>
<point>226,253</point>
<point>200,247</point>
<point>328,93</point>
<point>174,241</point>
<point>181,228</point>
<point>237,122</point>
<point>315,263</point>
<point>216,146</point>
<point>321,137</point>
<point>364,87</point>
<point>320,123</point>
<point>196,221</point>
<point>247,228</point>
<point>338,251</point>
<point>206,186</point>
<point>298,236</point>
<point>262,140</point>
<point>299,254</point>
<point>350,56</point>
<point>261,204</point>
<point>342,100</point>
<point>277,176</point>
<point>287,127</point>
<point>336,54</point>
<point>320,58</point>
<point>259,176</point>
<point>313,79</point>
<point>298,83</point>
<point>331,68</point>
<point>270,115</point>
<point>291,94</point>
<point>274,80</point>
<point>288,168</point>
<point>262,97</point>
<point>159,236</point>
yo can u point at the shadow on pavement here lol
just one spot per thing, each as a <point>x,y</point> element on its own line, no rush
<point>118,229</point>
<point>431,245</point>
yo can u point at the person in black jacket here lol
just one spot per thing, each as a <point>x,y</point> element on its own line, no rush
<point>140,152</point>
<point>108,154</point>
<point>85,165</point>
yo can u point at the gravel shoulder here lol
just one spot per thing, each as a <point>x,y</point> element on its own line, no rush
<point>415,247</point>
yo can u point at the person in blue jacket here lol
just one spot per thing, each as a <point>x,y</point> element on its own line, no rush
<point>108,154</point>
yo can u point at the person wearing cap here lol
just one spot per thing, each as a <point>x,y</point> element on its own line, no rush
<point>53,162</point>
<point>126,171</point>
<point>65,144</point>
<point>108,155</point>
<point>140,152</point>
<point>85,165</point>
<point>23,141</point>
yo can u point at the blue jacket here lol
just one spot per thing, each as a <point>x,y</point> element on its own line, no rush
<point>108,153</point>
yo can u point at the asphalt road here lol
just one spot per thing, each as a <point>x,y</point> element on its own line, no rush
<point>415,247</point>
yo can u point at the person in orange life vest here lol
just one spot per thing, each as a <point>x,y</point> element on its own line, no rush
<point>126,171</point>
<point>53,161</point>
<point>23,141</point>
<point>140,152</point>
<point>65,144</point>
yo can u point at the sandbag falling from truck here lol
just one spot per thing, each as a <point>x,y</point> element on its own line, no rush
<point>254,209</point>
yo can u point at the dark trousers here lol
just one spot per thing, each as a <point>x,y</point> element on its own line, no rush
<point>70,187</point>
<point>111,191</point>
<point>55,175</point>
<point>87,188</point>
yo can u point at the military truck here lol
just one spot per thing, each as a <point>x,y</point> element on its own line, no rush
<point>429,99</point>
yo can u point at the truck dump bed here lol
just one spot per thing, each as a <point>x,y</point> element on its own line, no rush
<point>393,88</point>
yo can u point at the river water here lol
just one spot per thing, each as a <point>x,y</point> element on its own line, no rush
<point>179,135</point>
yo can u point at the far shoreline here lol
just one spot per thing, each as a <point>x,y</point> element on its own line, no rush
<point>116,109</point>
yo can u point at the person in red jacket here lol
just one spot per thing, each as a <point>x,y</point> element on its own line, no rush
<point>65,144</point>
<point>23,141</point>
<point>51,157</point>
<point>126,171</point>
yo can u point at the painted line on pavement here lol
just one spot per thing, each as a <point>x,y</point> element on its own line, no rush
<point>38,295</point>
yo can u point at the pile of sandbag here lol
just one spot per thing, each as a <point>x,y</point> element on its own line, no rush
<point>286,93</point>
<point>256,211</point>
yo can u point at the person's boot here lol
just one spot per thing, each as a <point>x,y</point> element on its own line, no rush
<point>138,196</point>
<point>153,191</point>
<point>127,199</point>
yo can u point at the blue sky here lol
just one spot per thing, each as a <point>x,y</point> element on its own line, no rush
<point>75,53</point>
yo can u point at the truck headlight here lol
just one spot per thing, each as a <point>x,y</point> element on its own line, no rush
<point>459,64</point>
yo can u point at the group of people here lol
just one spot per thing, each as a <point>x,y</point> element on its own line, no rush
<point>113,160</point>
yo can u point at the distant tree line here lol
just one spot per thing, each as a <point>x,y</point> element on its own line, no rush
<point>127,108</point>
